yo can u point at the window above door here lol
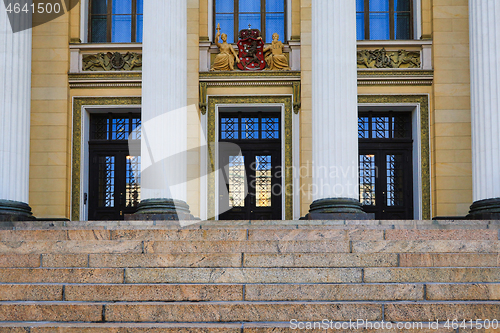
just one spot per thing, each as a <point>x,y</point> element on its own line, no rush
<point>384,19</point>
<point>269,16</point>
<point>115,21</point>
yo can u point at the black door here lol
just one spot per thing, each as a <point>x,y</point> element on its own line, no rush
<point>114,173</point>
<point>385,164</point>
<point>252,178</point>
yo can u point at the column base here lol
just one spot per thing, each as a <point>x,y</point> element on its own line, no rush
<point>488,209</point>
<point>161,210</point>
<point>12,211</point>
<point>337,209</point>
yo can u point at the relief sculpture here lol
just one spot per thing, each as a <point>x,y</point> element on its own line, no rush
<point>112,62</point>
<point>381,58</point>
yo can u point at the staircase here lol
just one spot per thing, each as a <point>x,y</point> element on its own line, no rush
<point>248,276</point>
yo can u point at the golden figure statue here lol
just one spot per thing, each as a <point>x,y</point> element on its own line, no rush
<point>224,61</point>
<point>275,58</point>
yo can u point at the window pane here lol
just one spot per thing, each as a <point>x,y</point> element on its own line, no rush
<point>253,19</point>
<point>122,6</point>
<point>99,29</point>
<point>249,128</point>
<point>367,175</point>
<point>360,26</point>
<point>224,6</point>
<point>379,5</point>
<point>121,29</point>
<point>226,22</point>
<point>139,29</point>
<point>402,5</point>
<point>237,181</point>
<point>99,7</point>
<point>360,5</point>
<point>379,26</point>
<point>140,7</point>
<point>402,26</point>
<point>275,23</point>
<point>275,6</point>
<point>249,6</point>
<point>263,180</point>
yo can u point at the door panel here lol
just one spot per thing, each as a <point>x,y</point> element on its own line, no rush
<point>114,174</point>
<point>253,179</point>
<point>385,165</point>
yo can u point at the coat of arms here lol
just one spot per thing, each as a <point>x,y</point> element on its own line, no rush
<point>251,50</point>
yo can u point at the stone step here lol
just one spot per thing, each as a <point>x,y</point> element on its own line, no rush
<point>149,260</point>
<point>180,275</point>
<point>245,327</point>
<point>243,275</point>
<point>268,233</point>
<point>449,259</point>
<point>382,224</point>
<point>126,246</point>
<point>61,275</point>
<point>33,327</point>
<point>230,312</point>
<point>245,311</point>
<point>250,292</point>
<point>440,275</point>
<point>426,246</point>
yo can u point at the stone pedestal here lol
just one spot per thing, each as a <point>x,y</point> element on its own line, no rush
<point>15,101</point>
<point>164,111</point>
<point>334,109</point>
<point>484,22</point>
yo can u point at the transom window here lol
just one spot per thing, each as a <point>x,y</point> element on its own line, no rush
<point>260,126</point>
<point>384,19</point>
<point>266,15</point>
<point>116,21</point>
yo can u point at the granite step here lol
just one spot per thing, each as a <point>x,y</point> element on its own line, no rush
<point>128,246</point>
<point>245,327</point>
<point>244,311</point>
<point>186,311</point>
<point>180,275</point>
<point>34,327</point>
<point>265,233</point>
<point>250,292</point>
<point>257,224</point>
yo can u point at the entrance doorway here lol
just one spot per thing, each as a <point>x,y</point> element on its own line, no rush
<point>114,174</point>
<point>253,179</point>
<point>385,164</point>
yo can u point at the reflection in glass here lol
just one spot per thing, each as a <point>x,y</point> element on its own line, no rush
<point>237,181</point>
<point>133,181</point>
<point>367,175</point>
<point>106,195</point>
<point>263,178</point>
<point>394,180</point>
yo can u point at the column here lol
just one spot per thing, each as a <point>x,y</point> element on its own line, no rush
<point>334,110</point>
<point>15,101</point>
<point>484,20</point>
<point>164,111</point>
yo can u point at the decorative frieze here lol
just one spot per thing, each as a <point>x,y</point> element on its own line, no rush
<point>381,58</point>
<point>112,61</point>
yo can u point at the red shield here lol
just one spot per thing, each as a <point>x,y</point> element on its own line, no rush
<point>251,54</point>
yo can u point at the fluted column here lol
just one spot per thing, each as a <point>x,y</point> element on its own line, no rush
<point>164,101</point>
<point>484,19</point>
<point>15,101</point>
<point>334,108</point>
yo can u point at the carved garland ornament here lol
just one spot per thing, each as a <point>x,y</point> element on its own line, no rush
<point>116,61</point>
<point>381,58</point>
